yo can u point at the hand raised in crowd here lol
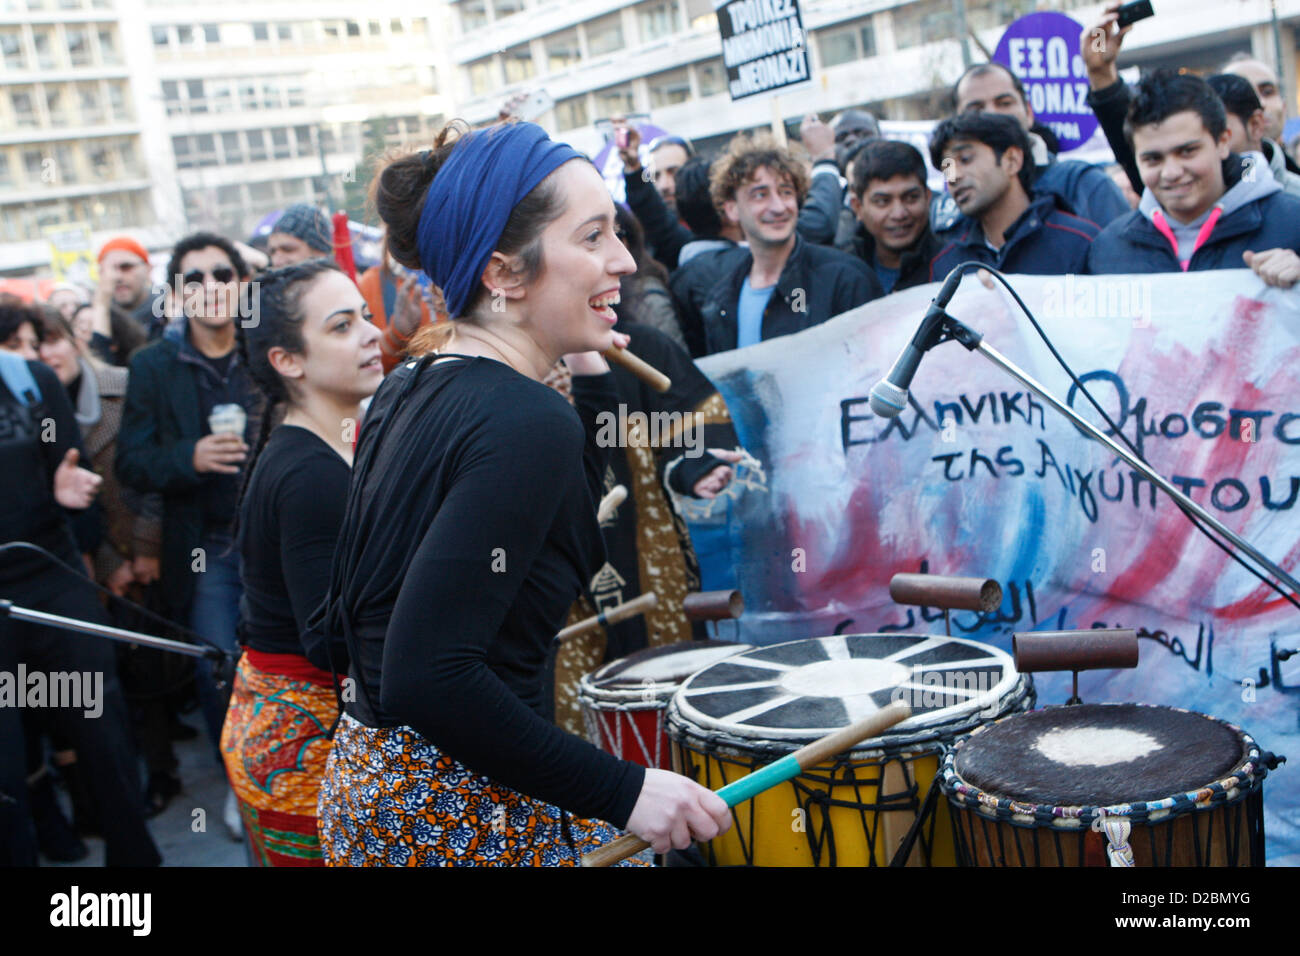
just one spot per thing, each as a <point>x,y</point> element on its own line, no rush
<point>406,308</point>
<point>817,138</point>
<point>74,486</point>
<point>716,481</point>
<point>1277,267</point>
<point>1099,46</point>
<point>629,152</point>
<point>220,454</point>
<point>673,810</point>
<point>145,570</point>
<point>120,580</point>
<point>100,303</point>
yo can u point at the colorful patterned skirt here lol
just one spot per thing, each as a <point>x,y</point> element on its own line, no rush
<point>391,798</point>
<point>275,745</point>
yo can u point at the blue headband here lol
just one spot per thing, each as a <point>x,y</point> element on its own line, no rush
<point>471,198</point>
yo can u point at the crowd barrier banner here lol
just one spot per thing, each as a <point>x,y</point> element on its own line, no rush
<point>978,477</point>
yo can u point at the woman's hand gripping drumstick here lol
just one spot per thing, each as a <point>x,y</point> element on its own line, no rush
<point>697,815</point>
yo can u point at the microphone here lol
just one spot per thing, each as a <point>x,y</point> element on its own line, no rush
<point>889,395</point>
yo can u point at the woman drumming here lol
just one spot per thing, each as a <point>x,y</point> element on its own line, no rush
<point>471,527</point>
<point>313,352</point>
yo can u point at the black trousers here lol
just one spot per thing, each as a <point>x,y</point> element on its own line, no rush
<point>103,743</point>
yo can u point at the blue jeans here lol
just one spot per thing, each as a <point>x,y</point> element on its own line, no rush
<point>214,615</point>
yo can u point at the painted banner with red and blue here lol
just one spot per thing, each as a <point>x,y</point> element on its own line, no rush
<point>979,477</point>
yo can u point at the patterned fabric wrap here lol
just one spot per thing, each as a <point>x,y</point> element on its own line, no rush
<point>391,798</point>
<point>275,745</point>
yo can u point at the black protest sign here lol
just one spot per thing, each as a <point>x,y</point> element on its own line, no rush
<point>763,45</point>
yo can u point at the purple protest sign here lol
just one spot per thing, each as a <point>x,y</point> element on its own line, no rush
<point>1043,50</point>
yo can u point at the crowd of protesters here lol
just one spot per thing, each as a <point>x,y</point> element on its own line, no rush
<point>197,464</point>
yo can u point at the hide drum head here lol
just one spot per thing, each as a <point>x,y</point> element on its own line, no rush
<point>656,672</point>
<point>803,690</point>
<point>1099,755</point>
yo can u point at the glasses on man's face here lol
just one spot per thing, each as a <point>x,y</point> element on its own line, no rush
<point>219,274</point>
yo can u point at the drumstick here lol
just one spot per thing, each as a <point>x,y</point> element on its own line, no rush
<point>615,614</point>
<point>617,495</point>
<point>638,367</point>
<point>787,768</point>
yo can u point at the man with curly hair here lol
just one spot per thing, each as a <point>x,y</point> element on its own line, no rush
<point>783,284</point>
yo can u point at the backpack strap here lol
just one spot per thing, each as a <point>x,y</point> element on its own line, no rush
<point>18,378</point>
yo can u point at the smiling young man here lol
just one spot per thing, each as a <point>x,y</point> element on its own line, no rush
<point>782,283</point>
<point>891,202</point>
<point>987,161</point>
<point>1198,211</point>
<point>1084,189</point>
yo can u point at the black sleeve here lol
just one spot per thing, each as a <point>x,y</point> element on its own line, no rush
<point>820,216</point>
<point>857,285</point>
<point>57,408</point>
<point>508,490</point>
<point>1111,106</point>
<point>593,394</point>
<point>309,505</point>
<point>664,235</point>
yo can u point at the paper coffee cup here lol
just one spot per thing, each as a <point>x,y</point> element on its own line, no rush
<point>227,419</point>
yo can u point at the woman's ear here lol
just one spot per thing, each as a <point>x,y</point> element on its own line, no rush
<point>503,277</point>
<point>284,363</point>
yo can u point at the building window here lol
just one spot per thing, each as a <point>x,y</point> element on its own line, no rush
<point>280,148</point>
<point>205,149</point>
<point>181,147</point>
<point>232,149</point>
<point>211,33</point>
<point>571,113</point>
<point>78,46</point>
<point>256,145</point>
<point>507,8</point>
<point>473,15</point>
<point>117,102</point>
<point>354,28</point>
<point>481,78</point>
<point>374,27</point>
<point>271,94</point>
<point>295,92</point>
<point>669,88</point>
<point>6,172</point>
<point>108,53</point>
<point>185,36</point>
<point>562,50</point>
<point>519,63</point>
<point>614,99</point>
<point>925,22</point>
<point>43,40</point>
<point>11,45</point>
<point>700,15</point>
<point>394,26</point>
<point>846,43</point>
<point>57,107</point>
<point>657,19</point>
<point>194,92</point>
<point>260,33</point>
<point>284,32</point>
<point>302,135</point>
<point>91,104</point>
<point>23,107</point>
<point>160,36</point>
<point>33,165</point>
<point>221,98</point>
<point>605,35</point>
<point>332,30</point>
<point>711,77</point>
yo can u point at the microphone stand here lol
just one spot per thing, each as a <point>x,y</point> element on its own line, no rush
<point>222,660</point>
<point>949,328</point>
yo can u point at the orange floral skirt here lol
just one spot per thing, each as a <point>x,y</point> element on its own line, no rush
<point>391,798</point>
<point>275,744</point>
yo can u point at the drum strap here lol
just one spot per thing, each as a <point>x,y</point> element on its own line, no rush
<point>1117,830</point>
<point>923,815</point>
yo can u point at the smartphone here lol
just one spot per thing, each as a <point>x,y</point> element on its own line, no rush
<point>1133,12</point>
<point>534,105</point>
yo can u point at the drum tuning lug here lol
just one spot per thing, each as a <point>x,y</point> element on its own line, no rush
<point>1271,760</point>
<point>1287,654</point>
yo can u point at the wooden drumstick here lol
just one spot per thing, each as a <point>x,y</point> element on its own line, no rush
<point>787,768</point>
<point>638,367</point>
<point>617,495</point>
<point>615,614</point>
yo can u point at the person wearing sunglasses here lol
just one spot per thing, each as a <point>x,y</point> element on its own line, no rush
<point>189,414</point>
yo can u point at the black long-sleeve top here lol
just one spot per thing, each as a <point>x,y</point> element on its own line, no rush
<point>470,529</point>
<point>289,525</point>
<point>33,440</point>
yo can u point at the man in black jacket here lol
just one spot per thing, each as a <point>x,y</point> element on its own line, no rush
<point>782,284</point>
<point>181,438</point>
<point>891,201</point>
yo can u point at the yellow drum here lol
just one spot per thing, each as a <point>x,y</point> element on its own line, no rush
<point>746,711</point>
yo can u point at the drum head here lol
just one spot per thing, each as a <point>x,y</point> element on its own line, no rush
<point>657,671</point>
<point>806,689</point>
<point>1099,755</point>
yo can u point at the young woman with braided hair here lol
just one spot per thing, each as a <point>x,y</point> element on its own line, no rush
<point>471,527</point>
<point>314,354</point>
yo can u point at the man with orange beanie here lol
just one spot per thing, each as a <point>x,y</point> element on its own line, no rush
<point>124,284</point>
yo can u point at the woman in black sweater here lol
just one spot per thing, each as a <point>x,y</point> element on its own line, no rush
<point>471,527</point>
<point>314,353</point>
